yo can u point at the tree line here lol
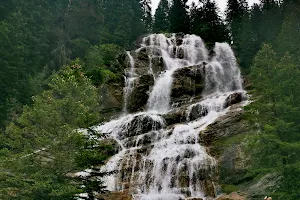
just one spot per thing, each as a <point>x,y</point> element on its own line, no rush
<point>54,52</point>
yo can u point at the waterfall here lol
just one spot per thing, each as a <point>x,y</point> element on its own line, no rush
<point>177,53</point>
<point>159,160</point>
<point>129,82</point>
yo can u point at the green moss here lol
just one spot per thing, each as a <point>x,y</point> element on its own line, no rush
<point>229,188</point>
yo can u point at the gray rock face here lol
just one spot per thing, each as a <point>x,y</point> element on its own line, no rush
<point>197,111</point>
<point>140,93</point>
<point>157,65</point>
<point>234,99</point>
<point>188,82</point>
<point>224,127</point>
<point>141,124</point>
<point>174,117</point>
<point>232,160</point>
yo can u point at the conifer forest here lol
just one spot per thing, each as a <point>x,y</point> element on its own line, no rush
<point>123,100</point>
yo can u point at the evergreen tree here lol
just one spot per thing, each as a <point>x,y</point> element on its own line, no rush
<point>286,41</point>
<point>271,21</point>
<point>41,146</point>
<point>235,13</point>
<point>178,17</point>
<point>147,15</point>
<point>207,23</point>
<point>161,18</point>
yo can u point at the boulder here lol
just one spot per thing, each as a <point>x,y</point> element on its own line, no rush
<point>196,111</point>
<point>179,38</point>
<point>141,124</point>
<point>234,98</point>
<point>140,93</point>
<point>142,54</point>
<point>188,82</point>
<point>175,116</point>
<point>157,65</point>
<point>180,53</point>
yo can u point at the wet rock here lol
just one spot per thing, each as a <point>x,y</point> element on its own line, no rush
<point>224,141</point>
<point>174,117</point>
<point>209,188</point>
<point>157,65</point>
<point>179,41</point>
<point>197,111</point>
<point>141,124</point>
<point>188,82</point>
<point>179,38</point>
<point>142,54</point>
<point>180,53</point>
<point>234,99</point>
<point>224,127</point>
<point>140,93</point>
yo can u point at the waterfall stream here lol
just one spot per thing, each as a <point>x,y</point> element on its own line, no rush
<point>157,160</point>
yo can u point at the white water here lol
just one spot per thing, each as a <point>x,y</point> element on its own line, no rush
<point>129,82</point>
<point>192,51</point>
<point>160,162</point>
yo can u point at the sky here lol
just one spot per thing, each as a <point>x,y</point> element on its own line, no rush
<point>221,3</point>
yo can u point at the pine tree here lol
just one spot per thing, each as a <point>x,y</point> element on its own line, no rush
<point>286,41</point>
<point>207,23</point>
<point>161,18</point>
<point>179,18</point>
<point>147,15</point>
<point>235,13</point>
<point>272,20</point>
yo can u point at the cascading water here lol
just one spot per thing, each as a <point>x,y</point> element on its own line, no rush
<point>190,52</point>
<point>129,82</point>
<point>158,160</point>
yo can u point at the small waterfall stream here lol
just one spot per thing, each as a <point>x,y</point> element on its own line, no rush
<point>157,160</point>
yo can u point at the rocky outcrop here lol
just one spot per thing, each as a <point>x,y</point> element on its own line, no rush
<point>175,116</point>
<point>196,111</point>
<point>224,141</point>
<point>224,127</point>
<point>234,99</point>
<point>188,82</point>
<point>157,65</point>
<point>140,93</point>
<point>141,124</point>
<point>111,99</point>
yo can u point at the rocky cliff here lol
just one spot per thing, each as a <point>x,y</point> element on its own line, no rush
<point>180,106</point>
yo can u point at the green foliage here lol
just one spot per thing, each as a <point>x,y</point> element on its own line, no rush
<point>229,188</point>
<point>39,37</point>
<point>178,17</point>
<point>206,22</point>
<point>104,63</point>
<point>70,102</point>
<point>161,18</point>
<point>276,147</point>
<point>42,146</point>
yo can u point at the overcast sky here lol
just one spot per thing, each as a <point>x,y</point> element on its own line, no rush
<point>221,3</point>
